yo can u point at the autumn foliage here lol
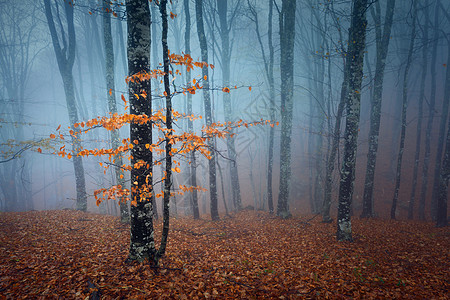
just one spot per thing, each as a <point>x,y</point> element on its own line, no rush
<point>70,255</point>
<point>182,142</point>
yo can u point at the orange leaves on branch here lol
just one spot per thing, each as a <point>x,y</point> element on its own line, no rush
<point>172,15</point>
<point>226,90</point>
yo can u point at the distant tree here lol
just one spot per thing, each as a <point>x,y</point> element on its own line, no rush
<point>383,37</point>
<point>208,111</point>
<point>192,166</point>
<point>423,76</point>
<point>65,56</point>
<point>355,60</point>
<point>112,106</point>
<point>441,220</point>
<point>287,35</point>
<point>18,26</point>
<point>431,109</point>
<point>268,70</point>
<point>404,107</point>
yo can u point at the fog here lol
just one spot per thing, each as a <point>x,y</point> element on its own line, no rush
<point>33,102</point>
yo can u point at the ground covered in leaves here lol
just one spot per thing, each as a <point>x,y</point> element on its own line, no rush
<point>75,255</point>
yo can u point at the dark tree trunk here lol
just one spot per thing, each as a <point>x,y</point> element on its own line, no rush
<point>110,88</point>
<point>208,111</point>
<point>420,112</point>
<point>65,57</point>
<point>287,35</point>
<point>168,136</point>
<point>404,107</point>
<point>441,220</point>
<point>431,109</point>
<point>193,167</point>
<point>355,60</point>
<point>382,44</point>
<point>142,244</point>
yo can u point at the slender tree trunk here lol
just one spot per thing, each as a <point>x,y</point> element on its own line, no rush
<point>420,111</point>
<point>441,220</point>
<point>222,7</point>
<point>142,244</point>
<point>431,108</point>
<point>404,106</point>
<point>355,59</point>
<point>110,87</point>
<point>168,137</point>
<point>287,35</point>
<point>65,57</point>
<point>193,167</point>
<point>208,111</point>
<point>382,45</point>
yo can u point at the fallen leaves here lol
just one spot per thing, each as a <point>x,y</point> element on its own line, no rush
<point>69,254</point>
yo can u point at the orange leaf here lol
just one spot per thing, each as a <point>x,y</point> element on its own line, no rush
<point>249,88</point>
<point>226,90</point>
<point>58,127</point>
<point>39,150</point>
<point>52,136</point>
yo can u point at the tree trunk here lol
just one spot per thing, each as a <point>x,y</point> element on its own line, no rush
<point>110,88</point>
<point>193,167</point>
<point>287,35</point>
<point>420,111</point>
<point>65,57</point>
<point>441,219</point>
<point>355,59</point>
<point>208,111</point>
<point>142,244</point>
<point>222,6</point>
<point>431,107</point>
<point>382,45</point>
<point>404,106</point>
<point>168,135</point>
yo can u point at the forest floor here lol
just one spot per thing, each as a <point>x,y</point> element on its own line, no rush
<point>252,255</point>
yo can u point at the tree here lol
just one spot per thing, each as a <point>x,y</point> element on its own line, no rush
<point>268,69</point>
<point>225,27</point>
<point>193,169</point>
<point>355,60</point>
<point>431,108</point>
<point>404,107</point>
<point>423,76</point>
<point>208,111</point>
<point>65,56</point>
<point>287,35</point>
<point>110,87</point>
<point>142,244</point>
<point>382,44</point>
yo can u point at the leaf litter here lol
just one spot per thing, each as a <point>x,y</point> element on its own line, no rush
<point>74,255</point>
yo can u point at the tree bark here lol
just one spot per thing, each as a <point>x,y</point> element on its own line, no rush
<point>142,244</point>
<point>287,35</point>
<point>355,59</point>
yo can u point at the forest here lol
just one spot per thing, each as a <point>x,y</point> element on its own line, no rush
<point>224,149</point>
